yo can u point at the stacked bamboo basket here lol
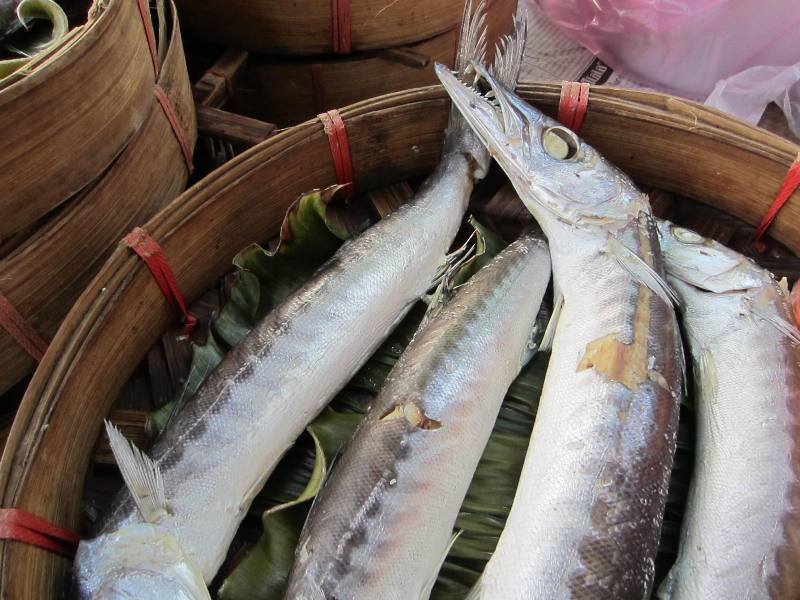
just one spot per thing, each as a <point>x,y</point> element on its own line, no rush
<point>299,65</point>
<point>662,142</point>
<point>87,153</point>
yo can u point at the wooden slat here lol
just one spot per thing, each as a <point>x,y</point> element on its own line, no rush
<point>232,128</point>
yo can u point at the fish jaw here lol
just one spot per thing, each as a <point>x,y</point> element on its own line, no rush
<point>554,172</point>
<point>139,561</point>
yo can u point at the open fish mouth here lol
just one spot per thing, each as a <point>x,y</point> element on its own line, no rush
<point>536,152</point>
<point>515,133</point>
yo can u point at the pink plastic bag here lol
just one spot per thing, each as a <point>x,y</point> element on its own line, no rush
<point>683,46</point>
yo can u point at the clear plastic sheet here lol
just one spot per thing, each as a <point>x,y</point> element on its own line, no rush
<point>740,54</point>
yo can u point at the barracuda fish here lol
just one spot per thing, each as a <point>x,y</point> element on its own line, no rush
<point>741,530</point>
<point>587,514</point>
<point>170,529</point>
<point>381,525</point>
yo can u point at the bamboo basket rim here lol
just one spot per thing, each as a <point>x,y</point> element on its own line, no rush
<point>80,77</point>
<point>124,273</point>
<point>34,263</point>
<point>261,26</point>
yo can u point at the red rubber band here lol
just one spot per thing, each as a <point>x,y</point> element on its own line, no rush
<point>340,149</point>
<point>149,34</point>
<point>226,78</point>
<point>21,330</point>
<point>341,25</point>
<point>175,123</point>
<point>789,186</point>
<point>573,104</point>
<point>22,526</point>
<point>148,249</point>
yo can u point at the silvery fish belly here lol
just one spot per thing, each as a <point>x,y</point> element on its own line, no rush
<point>381,525</point>
<point>170,531</point>
<point>741,529</point>
<point>587,514</point>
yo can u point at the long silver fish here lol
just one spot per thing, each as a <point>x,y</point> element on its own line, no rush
<point>741,529</point>
<point>170,529</point>
<point>381,525</point>
<point>587,514</point>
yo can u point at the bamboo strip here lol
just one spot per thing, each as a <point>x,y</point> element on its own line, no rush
<point>43,276</point>
<point>85,99</point>
<point>288,91</point>
<point>304,26</point>
<point>122,313</point>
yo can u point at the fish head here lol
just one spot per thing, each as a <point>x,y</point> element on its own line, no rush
<point>706,264</point>
<point>137,561</point>
<point>552,169</point>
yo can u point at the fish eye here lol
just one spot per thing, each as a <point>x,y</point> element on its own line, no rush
<point>687,236</point>
<point>560,143</point>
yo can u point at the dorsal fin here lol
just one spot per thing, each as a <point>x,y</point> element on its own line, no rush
<point>641,271</point>
<point>472,36</point>
<point>141,474</point>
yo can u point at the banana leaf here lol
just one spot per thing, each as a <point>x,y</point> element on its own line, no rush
<point>263,278</point>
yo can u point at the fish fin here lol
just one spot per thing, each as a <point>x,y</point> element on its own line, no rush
<point>708,384</point>
<point>141,474</point>
<point>445,279</point>
<point>640,271</point>
<point>783,326</point>
<point>428,587</point>
<point>472,36</point>
<point>546,345</point>
<point>509,52</point>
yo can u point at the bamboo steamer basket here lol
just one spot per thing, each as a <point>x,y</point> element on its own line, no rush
<point>287,91</point>
<point>86,98</point>
<point>677,145</point>
<point>45,274</point>
<point>304,27</point>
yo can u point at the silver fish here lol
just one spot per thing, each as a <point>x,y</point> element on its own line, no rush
<point>170,530</point>
<point>741,529</point>
<point>381,524</point>
<point>587,514</point>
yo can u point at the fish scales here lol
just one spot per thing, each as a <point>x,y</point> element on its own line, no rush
<point>381,524</point>
<point>741,531</point>
<point>286,370</point>
<point>587,514</point>
<point>217,453</point>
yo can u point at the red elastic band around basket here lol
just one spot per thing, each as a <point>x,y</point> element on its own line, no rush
<point>153,256</point>
<point>22,526</point>
<point>573,104</point>
<point>21,330</point>
<point>789,186</point>
<point>341,25</point>
<point>144,13</point>
<point>175,123</point>
<point>340,149</point>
